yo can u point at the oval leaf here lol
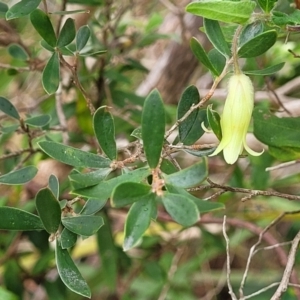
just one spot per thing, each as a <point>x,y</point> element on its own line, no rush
<point>216,37</point>
<point>183,210</point>
<point>224,11</point>
<point>258,45</point>
<point>138,221</point>
<point>92,206</point>
<point>22,8</point>
<point>38,121</point>
<point>217,59</point>
<point>250,32</point>
<point>67,33</point>
<point>48,209</point>
<point>83,225</point>
<point>153,127</point>
<point>128,193</point>
<point>266,71</point>
<point>17,52</point>
<point>69,273</point>
<point>16,219</point>
<point>67,238</point>
<point>51,74</point>
<point>214,122</point>
<point>201,55</point>
<point>190,176</point>
<point>8,108</point>
<point>43,26</point>
<point>82,37</point>
<point>54,185</point>
<point>72,156</point>
<point>20,176</point>
<point>104,129</point>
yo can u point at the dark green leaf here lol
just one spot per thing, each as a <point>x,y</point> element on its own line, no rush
<point>22,8</point>
<point>19,176</point>
<point>16,219</point>
<point>201,55</point>
<point>280,18</point>
<point>104,189</point>
<point>285,153</point>
<point>128,193</point>
<point>51,74</point>
<point>17,52</point>
<point>258,45</point>
<point>67,33</point>
<point>91,178</point>
<point>168,167</point>
<point>38,121</point>
<point>3,10</point>
<point>274,131</point>
<point>8,108</point>
<point>83,225</point>
<point>189,98</point>
<point>92,206</point>
<point>67,238</point>
<point>214,122</point>
<point>92,54</point>
<point>48,209</point>
<point>216,37</point>
<point>69,273</point>
<point>104,129</point>
<point>82,37</point>
<point>224,11</point>
<point>267,5</point>
<point>137,133</point>
<point>10,129</point>
<point>54,185</point>
<point>46,46</point>
<point>138,220</point>
<point>43,26</point>
<point>74,157</point>
<point>153,127</point>
<point>250,32</point>
<point>181,209</point>
<point>217,59</point>
<point>190,176</point>
<point>200,153</point>
<point>266,71</point>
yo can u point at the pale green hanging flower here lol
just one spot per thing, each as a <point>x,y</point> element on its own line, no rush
<point>236,118</point>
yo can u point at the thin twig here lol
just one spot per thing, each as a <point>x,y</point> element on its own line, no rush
<point>283,165</point>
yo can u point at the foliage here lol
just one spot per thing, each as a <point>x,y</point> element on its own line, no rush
<point>146,181</point>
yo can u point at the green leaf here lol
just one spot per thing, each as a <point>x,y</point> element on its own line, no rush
<point>72,156</point>
<point>16,219</point>
<point>201,55</point>
<point>279,18</point>
<point>54,185</point>
<point>274,131</point>
<point>258,45</point>
<point>19,176</point>
<point>183,210</point>
<point>223,11</point>
<point>189,98</point>
<point>22,8</point>
<point>200,153</point>
<point>48,209</point>
<point>214,122</point>
<point>168,167</point>
<point>10,129</point>
<point>153,127</point>
<point>51,74</point>
<point>67,238</point>
<point>83,225</point>
<point>203,206</point>
<point>67,33</point>
<point>104,189</point>
<point>17,52</point>
<point>189,177</point>
<point>3,10</point>
<point>137,133</point>
<point>38,121</point>
<point>250,32</point>
<point>128,193</point>
<point>267,5</point>
<point>6,294</point>
<point>91,178</point>
<point>104,129</point>
<point>43,26</point>
<point>92,206</point>
<point>92,54</point>
<point>82,37</point>
<point>217,59</point>
<point>69,273</point>
<point>8,108</point>
<point>285,153</point>
<point>138,220</point>
<point>215,35</point>
<point>266,71</point>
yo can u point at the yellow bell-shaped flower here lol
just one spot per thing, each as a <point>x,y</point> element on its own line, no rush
<point>236,118</point>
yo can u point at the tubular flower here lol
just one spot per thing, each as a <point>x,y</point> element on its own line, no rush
<point>236,118</point>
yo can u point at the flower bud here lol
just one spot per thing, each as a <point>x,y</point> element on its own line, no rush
<point>236,118</point>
